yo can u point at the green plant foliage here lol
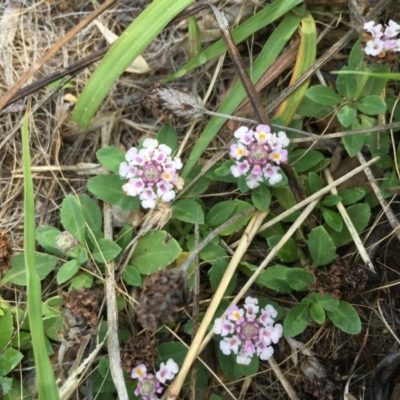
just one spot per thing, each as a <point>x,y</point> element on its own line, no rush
<point>275,278</point>
<point>109,188</point>
<point>105,251</point>
<point>323,95</point>
<point>220,212</point>
<point>302,160</point>
<point>317,313</point>
<point>327,302</point>
<point>188,210</point>
<point>288,252</point>
<point>332,219</point>
<point>154,251</point>
<point>345,317</point>
<point>44,263</point>
<point>72,218</point>
<point>67,271</point>
<point>298,278</point>
<point>132,276</point>
<point>216,273</point>
<point>82,280</point>
<point>46,236</point>
<point>351,196</point>
<point>261,197</point>
<point>320,246</point>
<point>240,223</point>
<point>346,116</point>
<point>168,136</point>
<point>296,320</point>
<point>111,158</point>
<point>371,105</point>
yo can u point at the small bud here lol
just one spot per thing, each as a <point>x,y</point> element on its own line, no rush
<point>66,242</point>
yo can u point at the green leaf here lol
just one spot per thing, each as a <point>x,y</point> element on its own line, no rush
<point>91,212</point>
<point>188,210</point>
<point>105,251</point>
<point>323,95</point>
<point>351,196</point>
<point>354,143</point>
<point>261,197</point>
<point>314,182</point>
<point>285,197</point>
<point>154,251</point>
<point>327,301</point>
<point>6,385</point>
<point>371,105</point>
<point>217,272</point>
<point>309,108</point>
<point>229,366</point>
<point>346,116</point>
<point>299,279</point>
<point>345,317</point>
<point>390,181</point>
<point>296,320</point>
<point>320,246</point>
<point>359,215</point>
<point>72,218</point>
<point>288,252</point>
<point>331,200</point>
<point>332,219</point>
<point>317,313</point>
<point>275,278</point>
<point>67,271</point>
<point>109,188</point>
<point>346,85</point>
<point>239,224</point>
<point>356,57</point>
<point>9,359</point>
<point>167,135</point>
<point>46,236</point>
<point>132,276</point>
<point>220,212</point>
<point>375,84</point>
<point>7,328</point>
<point>44,264</point>
<point>111,158</point>
<point>140,33</point>
<point>303,159</point>
<point>83,280</point>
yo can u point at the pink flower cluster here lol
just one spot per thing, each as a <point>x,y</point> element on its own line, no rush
<point>257,154</point>
<point>382,40</point>
<point>65,242</point>
<point>152,173</point>
<point>246,334</point>
<point>149,385</point>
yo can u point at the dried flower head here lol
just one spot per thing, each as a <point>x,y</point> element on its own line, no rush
<point>173,102</point>
<point>152,173</point>
<point>139,349</point>
<point>65,242</point>
<point>248,331</point>
<point>380,41</point>
<point>164,294</point>
<point>5,253</point>
<point>81,314</point>
<point>257,154</point>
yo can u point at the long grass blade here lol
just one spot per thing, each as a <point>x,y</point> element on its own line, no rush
<point>46,383</point>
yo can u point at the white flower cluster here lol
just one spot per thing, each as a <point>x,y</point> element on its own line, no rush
<point>382,40</point>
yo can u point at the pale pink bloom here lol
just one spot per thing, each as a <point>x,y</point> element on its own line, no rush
<point>240,168</point>
<point>223,327</point>
<point>235,314</point>
<point>254,181</point>
<point>374,47</point>
<point>148,198</point>
<point>268,314</point>
<point>278,156</point>
<point>244,135</point>
<point>134,187</point>
<point>167,371</point>
<point>271,173</point>
<point>139,372</point>
<point>374,30</point>
<point>271,334</point>
<point>390,45</point>
<point>239,150</point>
<point>251,308</point>
<point>264,352</point>
<point>230,345</point>
<point>150,143</point>
<point>165,149</point>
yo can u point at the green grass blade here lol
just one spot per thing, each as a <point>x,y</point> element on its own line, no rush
<point>269,53</point>
<point>46,383</point>
<point>264,17</point>
<point>386,75</point>
<point>121,54</point>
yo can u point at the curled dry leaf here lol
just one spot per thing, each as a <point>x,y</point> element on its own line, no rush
<point>139,65</point>
<point>164,294</point>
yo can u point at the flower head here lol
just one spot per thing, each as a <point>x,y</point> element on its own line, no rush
<point>380,40</point>
<point>65,242</point>
<point>152,173</point>
<point>254,151</point>
<point>149,385</point>
<point>248,331</point>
